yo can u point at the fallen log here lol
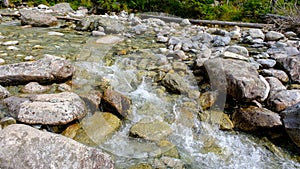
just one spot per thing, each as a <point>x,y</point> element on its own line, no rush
<point>206,22</point>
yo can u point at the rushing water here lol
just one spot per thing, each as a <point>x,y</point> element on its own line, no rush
<point>199,144</point>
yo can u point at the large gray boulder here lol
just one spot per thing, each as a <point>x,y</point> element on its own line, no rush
<point>46,70</point>
<point>25,147</point>
<point>292,65</point>
<point>239,78</point>
<point>291,121</point>
<point>36,18</point>
<point>52,109</point>
<point>62,8</point>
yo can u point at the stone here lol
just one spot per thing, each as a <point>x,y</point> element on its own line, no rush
<point>266,63</point>
<point>98,33</point>
<point>42,6</point>
<point>141,166</point>
<point>238,78</point>
<point>152,131</point>
<point>52,109</point>
<point>254,118</point>
<point>231,55</point>
<point>48,69</point>
<point>2,61</point>
<point>3,93</point>
<point>140,28</point>
<point>175,83</point>
<point>290,34</point>
<point>10,43</point>
<point>116,103</point>
<point>162,39</point>
<point>100,126</point>
<point>291,122</point>
<point>292,65</point>
<point>275,85</point>
<point>273,36</point>
<point>279,74</point>
<point>109,39</point>
<point>221,40</point>
<point>63,87</point>
<point>256,34</point>
<point>12,48</point>
<point>238,50</point>
<point>5,3</point>
<point>6,121</point>
<point>283,99</point>
<point>36,18</point>
<point>34,87</point>
<point>52,33</point>
<point>62,8</point>
<point>208,99</point>
<point>177,54</point>
<point>168,149</point>
<point>29,58</point>
<point>185,22</point>
<point>27,147</point>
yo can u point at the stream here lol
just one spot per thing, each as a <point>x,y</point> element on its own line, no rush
<point>131,67</point>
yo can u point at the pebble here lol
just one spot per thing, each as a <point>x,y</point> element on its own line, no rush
<point>29,58</point>
<point>10,43</point>
<point>12,48</point>
<point>55,34</point>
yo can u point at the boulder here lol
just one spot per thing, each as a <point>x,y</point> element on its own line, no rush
<point>221,40</point>
<point>256,34</point>
<point>275,85</point>
<point>282,99</point>
<point>26,147</point>
<point>279,74</point>
<point>46,70</point>
<point>292,65</point>
<point>239,78</point>
<point>116,103</point>
<point>274,36</point>
<point>291,122</point>
<point>152,131</point>
<point>62,8</point>
<point>253,118</point>
<point>52,109</point>
<point>36,18</point>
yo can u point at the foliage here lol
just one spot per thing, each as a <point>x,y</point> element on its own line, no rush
<point>231,10</point>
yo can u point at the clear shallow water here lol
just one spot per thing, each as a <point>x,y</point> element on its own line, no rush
<point>200,144</point>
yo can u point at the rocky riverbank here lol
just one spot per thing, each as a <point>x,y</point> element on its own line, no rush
<point>239,79</point>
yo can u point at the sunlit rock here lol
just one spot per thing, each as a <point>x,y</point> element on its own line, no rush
<point>34,87</point>
<point>26,147</point>
<point>36,18</point>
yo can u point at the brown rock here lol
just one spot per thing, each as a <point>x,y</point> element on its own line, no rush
<point>116,103</point>
<point>252,118</point>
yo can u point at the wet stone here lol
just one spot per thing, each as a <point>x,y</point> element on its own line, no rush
<point>116,103</point>
<point>31,148</point>
<point>53,109</point>
<point>152,131</point>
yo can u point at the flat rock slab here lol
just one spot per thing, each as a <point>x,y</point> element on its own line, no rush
<point>52,109</point>
<point>37,18</point>
<point>25,147</point>
<point>46,70</point>
<point>239,78</point>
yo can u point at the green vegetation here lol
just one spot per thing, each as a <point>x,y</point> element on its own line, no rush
<point>230,10</point>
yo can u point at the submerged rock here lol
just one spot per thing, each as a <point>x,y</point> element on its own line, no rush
<point>240,78</point>
<point>26,147</point>
<point>253,118</point>
<point>100,126</point>
<point>291,121</point>
<point>36,18</point>
<point>53,109</point>
<point>152,131</point>
<point>48,69</point>
<point>175,83</point>
<point>116,103</point>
